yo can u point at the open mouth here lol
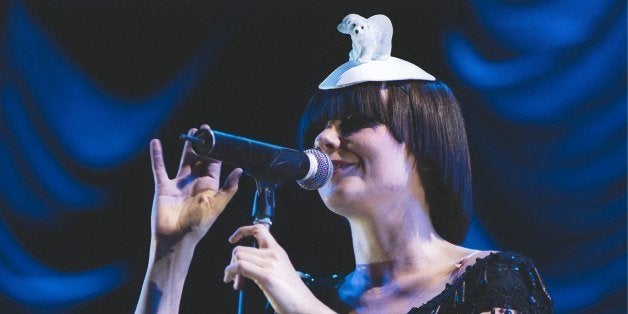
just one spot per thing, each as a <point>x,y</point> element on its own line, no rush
<point>340,165</point>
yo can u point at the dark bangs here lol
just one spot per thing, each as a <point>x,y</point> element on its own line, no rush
<point>365,99</point>
<point>327,105</point>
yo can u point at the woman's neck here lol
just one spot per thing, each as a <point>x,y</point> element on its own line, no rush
<point>390,242</point>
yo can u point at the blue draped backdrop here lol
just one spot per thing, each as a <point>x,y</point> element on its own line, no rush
<point>85,86</point>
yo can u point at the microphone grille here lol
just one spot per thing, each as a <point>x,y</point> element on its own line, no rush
<point>322,169</point>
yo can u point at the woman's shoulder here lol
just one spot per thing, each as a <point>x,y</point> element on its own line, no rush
<point>486,280</point>
<point>490,280</point>
<point>491,258</point>
<point>469,258</point>
<point>497,261</point>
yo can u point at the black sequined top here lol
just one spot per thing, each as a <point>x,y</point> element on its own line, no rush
<point>503,280</point>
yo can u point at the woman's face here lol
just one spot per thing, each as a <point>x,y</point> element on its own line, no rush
<point>371,168</point>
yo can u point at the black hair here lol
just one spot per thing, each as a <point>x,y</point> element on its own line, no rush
<point>426,116</point>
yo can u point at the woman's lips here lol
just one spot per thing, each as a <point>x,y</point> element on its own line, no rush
<point>340,165</point>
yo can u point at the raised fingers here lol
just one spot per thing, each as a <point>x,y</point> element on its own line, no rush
<point>157,162</point>
<point>187,157</point>
<point>230,187</point>
<point>212,165</point>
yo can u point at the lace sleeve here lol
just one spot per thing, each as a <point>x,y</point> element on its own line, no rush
<point>503,283</point>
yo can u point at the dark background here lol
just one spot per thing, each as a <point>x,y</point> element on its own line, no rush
<point>85,85</point>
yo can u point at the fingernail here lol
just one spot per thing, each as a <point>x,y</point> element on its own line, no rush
<point>232,238</point>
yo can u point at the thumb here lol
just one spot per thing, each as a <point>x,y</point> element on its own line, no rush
<point>229,189</point>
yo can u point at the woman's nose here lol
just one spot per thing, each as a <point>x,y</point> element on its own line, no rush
<point>328,140</point>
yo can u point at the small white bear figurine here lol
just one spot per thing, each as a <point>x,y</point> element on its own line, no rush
<point>371,38</point>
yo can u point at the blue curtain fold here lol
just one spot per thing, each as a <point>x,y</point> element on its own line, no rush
<point>547,119</point>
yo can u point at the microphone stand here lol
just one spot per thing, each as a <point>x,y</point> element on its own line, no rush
<point>250,297</point>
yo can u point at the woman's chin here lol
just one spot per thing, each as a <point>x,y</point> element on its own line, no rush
<point>336,190</point>
<point>342,197</point>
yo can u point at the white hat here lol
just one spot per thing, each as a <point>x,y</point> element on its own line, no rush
<point>391,69</point>
<point>370,60</point>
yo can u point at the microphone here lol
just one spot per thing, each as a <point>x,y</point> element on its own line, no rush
<point>311,169</point>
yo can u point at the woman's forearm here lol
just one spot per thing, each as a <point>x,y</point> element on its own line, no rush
<point>165,276</point>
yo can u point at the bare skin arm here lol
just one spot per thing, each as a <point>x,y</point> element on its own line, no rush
<point>184,208</point>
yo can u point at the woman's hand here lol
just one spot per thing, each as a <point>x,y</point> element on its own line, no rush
<point>187,205</point>
<point>184,208</point>
<point>270,268</point>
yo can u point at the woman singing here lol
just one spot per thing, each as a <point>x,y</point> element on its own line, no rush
<point>402,180</point>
